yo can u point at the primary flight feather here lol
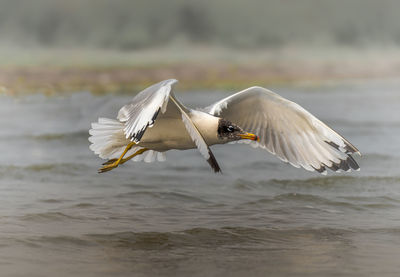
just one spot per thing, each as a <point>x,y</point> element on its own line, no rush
<point>155,122</point>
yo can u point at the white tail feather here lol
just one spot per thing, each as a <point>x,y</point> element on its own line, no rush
<point>150,156</point>
<point>109,142</point>
<point>161,157</point>
<point>107,138</point>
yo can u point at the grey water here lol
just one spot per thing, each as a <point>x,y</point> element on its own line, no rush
<point>261,217</point>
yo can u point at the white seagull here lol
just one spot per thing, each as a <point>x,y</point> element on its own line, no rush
<point>155,122</point>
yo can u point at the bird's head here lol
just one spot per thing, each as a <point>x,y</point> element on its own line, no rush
<point>229,131</point>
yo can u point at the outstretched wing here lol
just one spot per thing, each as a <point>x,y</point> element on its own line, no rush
<point>144,109</point>
<point>287,130</point>
<point>146,106</point>
<point>196,136</point>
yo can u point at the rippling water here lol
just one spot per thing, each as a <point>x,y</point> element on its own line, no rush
<point>177,218</point>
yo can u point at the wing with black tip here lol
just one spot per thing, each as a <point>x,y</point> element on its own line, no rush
<point>144,109</point>
<point>287,130</point>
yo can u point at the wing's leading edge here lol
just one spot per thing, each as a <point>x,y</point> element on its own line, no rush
<point>144,109</point>
<point>287,130</point>
<point>197,137</point>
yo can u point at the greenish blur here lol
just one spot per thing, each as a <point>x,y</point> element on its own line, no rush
<point>131,25</point>
<point>103,46</point>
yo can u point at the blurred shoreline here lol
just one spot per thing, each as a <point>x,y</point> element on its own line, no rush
<point>51,71</point>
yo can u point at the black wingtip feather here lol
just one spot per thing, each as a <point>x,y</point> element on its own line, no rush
<point>213,163</point>
<point>349,162</point>
<point>138,136</point>
<point>343,165</point>
<point>155,116</point>
<point>352,163</point>
<point>349,148</point>
<point>334,167</point>
<point>321,169</point>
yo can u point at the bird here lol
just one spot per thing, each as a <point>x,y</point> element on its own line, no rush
<point>155,121</point>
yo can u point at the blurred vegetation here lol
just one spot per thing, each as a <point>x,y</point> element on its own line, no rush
<point>127,24</point>
<point>122,45</point>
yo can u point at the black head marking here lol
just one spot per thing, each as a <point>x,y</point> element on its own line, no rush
<point>228,130</point>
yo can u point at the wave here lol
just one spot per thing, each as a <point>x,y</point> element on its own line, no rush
<point>195,237</point>
<point>336,180</point>
<point>323,184</point>
<point>319,202</point>
<point>38,241</point>
<point>333,192</point>
<point>49,216</point>
<point>207,238</point>
<point>84,205</point>
<point>52,200</point>
<point>174,196</point>
<point>68,168</point>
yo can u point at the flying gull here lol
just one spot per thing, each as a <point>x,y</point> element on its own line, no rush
<point>155,122</point>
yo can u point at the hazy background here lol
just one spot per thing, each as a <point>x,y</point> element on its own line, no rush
<point>130,25</point>
<point>102,46</point>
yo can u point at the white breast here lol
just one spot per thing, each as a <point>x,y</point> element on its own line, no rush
<point>170,133</point>
<point>207,125</point>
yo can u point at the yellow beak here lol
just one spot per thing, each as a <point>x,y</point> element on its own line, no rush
<point>250,136</point>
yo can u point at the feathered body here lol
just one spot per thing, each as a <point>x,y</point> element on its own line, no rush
<point>170,133</point>
<point>155,122</point>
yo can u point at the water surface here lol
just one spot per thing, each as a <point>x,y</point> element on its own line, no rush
<point>178,218</point>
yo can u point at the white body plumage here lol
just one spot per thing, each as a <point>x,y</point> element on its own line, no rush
<point>157,122</point>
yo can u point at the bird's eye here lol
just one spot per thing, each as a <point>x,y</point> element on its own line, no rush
<point>230,128</point>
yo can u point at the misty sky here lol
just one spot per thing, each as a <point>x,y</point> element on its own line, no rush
<point>127,24</point>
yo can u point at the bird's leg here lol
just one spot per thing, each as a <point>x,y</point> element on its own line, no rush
<point>113,163</point>
<point>140,151</point>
